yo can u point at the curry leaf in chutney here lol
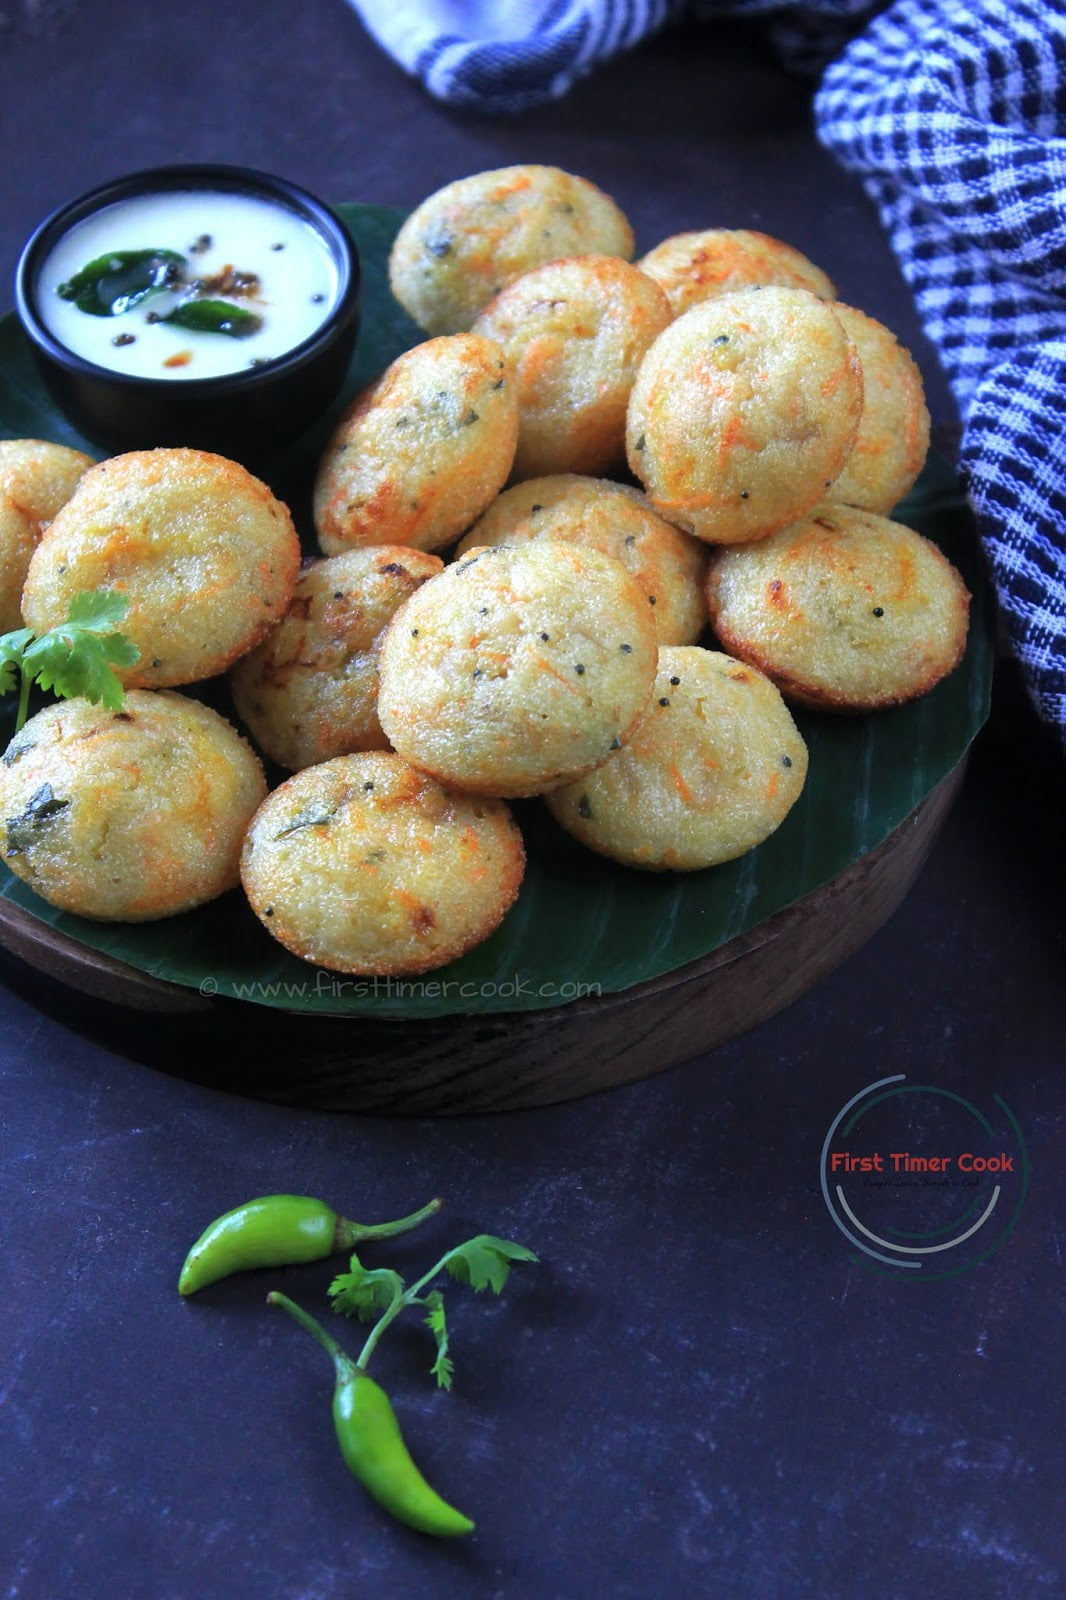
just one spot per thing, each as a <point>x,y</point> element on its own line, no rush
<point>214,316</point>
<point>113,283</point>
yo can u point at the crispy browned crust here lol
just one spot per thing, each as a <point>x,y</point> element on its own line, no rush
<point>422,914</point>
<point>815,697</point>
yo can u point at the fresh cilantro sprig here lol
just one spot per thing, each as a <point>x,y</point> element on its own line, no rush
<point>76,658</point>
<point>483,1262</point>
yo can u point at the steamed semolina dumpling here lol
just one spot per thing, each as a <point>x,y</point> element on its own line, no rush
<point>419,454</point>
<point>36,479</point>
<point>575,332</point>
<point>309,691</point>
<point>711,770</point>
<point>518,667</point>
<point>39,477</point>
<point>844,610</point>
<point>690,267</point>
<point>893,438</point>
<point>365,865</point>
<point>466,241</point>
<point>617,520</point>
<point>203,552</point>
<point>131,815</point>
<point>744,413</point>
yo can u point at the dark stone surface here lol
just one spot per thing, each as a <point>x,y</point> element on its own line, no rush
<point>702,1390</point>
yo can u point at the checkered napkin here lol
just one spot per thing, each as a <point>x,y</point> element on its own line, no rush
<point>954,114</point>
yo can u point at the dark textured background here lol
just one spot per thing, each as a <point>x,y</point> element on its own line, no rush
<point>701,1390</point>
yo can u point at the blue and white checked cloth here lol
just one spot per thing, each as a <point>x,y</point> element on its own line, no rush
<point>954,116</point>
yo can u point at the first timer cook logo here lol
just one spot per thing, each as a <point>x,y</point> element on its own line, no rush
<point>921,1180</point>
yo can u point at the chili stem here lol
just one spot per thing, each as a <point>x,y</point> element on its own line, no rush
<point>350,1233</point>
<point>342,1360</point>
<point>408,1298</point>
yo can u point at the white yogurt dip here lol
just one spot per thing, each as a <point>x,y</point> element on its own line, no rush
<point>296,290</point>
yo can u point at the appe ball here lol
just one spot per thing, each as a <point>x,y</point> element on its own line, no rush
<point>617,520</point>
<point>203,552</point>
<point>131,815</point>
<point>744,413</point>
<point>419,454</point>
<point>364,865</point>
<point>36,479</point>
<point>517,668</point>
<point>711,770</point>
<point>845,610</point>
<point>309,691</point>
<point>893,438</point>
<point>690,267</point>
<point>575,332</point>
<point>466,241</point>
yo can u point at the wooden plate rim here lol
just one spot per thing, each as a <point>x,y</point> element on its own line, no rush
<point>93,972</point>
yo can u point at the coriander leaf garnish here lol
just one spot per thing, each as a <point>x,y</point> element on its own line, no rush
<point>444,1367</point>
<point>363,1293</point>
<point>77,657</point>
<point>12,646</point>
<point>483,1262</point>
<point>98,609</point>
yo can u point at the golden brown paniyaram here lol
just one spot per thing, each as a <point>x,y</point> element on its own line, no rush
<point>365,865</point>
<point>690,267</point>
<point>466,241</point>
<point>204,553</point>
<point>844,610</point>
<point>617,520</point>
<point>711,770</point>
<point>309,691</point>
<point>419,454</point>
<point>575,332</point>
<point>744,413</point>
<point>518,668</point>
<point>36,478</point>
<point>131,815</point>
<point>893,438</point>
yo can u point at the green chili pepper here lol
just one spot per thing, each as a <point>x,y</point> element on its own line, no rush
<point>372,1444</point>
<point>280,1230</point>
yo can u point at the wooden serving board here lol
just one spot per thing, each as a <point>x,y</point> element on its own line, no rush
<point>677,963</point>
<point>506,1061</point>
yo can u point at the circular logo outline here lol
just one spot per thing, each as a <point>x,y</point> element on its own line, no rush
<point>921,1250</point>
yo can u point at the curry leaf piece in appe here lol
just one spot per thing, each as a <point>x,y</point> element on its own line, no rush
<point>149,805</point>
